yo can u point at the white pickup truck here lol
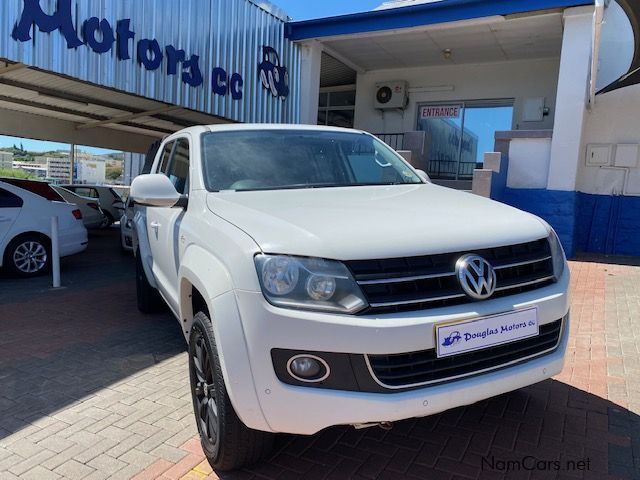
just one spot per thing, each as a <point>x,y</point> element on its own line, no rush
<point>320,280</point>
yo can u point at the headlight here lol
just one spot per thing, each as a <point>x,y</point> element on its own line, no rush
<point>557,254</point>
<point>308,283</point>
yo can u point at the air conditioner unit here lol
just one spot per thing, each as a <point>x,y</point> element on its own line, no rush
<point>391,95</point>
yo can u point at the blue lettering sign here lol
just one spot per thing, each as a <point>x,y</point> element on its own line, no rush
<point>146,47</point>
<point>89,29</point>
<point>174,57</point>
<point>193,76</point>
<point>235,86</point>
<point>60,20</point>
<point>124,34</point>
<point>219,81</point>
<point>100,37</point>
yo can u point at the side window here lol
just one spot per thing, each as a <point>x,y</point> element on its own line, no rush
<point>164,160</point>
<point>178,171</point>
<point>9,200</point>
<point>87,192</point>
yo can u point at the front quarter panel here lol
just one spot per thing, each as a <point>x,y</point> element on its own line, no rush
<point>141,244</point>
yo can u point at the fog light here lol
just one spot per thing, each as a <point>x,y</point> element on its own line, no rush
<point>308,368</point>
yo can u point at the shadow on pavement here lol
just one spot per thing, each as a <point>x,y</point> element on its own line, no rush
<point>549,430</point>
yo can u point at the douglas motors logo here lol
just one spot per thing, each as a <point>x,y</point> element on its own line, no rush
<point>273,75</point>
<point>452,339</point>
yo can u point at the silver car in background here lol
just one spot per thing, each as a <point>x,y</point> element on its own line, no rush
<point>92,215</point>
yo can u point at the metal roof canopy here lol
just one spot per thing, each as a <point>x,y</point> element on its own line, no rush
<point>48,106</point>
<point>444,11</point>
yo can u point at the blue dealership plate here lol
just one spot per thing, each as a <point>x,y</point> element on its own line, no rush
<point>479,333</point>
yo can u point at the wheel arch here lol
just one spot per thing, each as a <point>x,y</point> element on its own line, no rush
<point>202,278</point>
<point>28,233</point>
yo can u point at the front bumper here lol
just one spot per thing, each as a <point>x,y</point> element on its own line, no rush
<point>269,404</point>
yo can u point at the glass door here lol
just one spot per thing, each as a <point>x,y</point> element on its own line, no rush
<point>459,133</point>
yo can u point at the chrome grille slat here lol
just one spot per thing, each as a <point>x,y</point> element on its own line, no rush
<point>525,284</point>
<point>430,281</point>
<point>404,279</point>
<point>519,264</point>
<point>421,300</point>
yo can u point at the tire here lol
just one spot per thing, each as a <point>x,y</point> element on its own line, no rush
<point>232,445</point>
<point>28,256</point>
<point>110,221</point>
<point>148,298</point>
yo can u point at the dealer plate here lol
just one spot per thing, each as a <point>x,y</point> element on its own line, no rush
<point>479,333</point>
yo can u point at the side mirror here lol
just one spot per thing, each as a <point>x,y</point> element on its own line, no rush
<point>423,175</point>
<point>155,190</point>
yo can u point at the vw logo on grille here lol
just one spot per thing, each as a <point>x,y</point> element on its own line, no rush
<point>476,276</point>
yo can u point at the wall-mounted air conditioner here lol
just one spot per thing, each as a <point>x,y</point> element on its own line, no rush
<point>391,95</point>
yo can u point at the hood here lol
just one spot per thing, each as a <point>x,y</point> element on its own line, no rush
<point>358,223</point>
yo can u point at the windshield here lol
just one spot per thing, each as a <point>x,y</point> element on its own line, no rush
<point>286,159</point>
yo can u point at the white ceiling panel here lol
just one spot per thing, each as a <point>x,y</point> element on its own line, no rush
<point>536,36</point>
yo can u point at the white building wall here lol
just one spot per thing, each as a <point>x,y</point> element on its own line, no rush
<point>613,119</point>
<point>529,162</point>
<point>91,171</point>
<point>514,79</point>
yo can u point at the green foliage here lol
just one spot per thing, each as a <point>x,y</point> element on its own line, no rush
<point>113,173</point>
<point>14,173</point>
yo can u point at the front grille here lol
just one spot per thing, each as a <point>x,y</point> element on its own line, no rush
<point>417,283</point>
<point>419,368</point>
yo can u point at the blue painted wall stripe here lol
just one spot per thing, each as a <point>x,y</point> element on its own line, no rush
<point>418,15</point>
<point>584,222</point>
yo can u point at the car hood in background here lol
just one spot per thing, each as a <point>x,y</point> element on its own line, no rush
<point>373,222</point>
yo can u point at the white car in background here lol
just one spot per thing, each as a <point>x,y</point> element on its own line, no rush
<point>92,214</point>
<point>25,230</point>
<point>110,201</point>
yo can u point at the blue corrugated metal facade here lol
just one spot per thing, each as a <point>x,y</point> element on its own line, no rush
<point>229,37</point>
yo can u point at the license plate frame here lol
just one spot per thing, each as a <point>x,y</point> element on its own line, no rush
<point>454,338</point>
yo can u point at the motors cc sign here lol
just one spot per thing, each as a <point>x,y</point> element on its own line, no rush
<point>102,37</point>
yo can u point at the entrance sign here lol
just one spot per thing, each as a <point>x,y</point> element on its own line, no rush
<point>440,111</point>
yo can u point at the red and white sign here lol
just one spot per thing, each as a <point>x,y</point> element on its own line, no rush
<point>440,111</point>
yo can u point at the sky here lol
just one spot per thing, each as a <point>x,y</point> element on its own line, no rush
<point>42,146</point>
<point>305,9</point>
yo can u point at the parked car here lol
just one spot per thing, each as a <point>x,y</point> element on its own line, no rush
<point>110,201</point>
<point>92,214</point>
<point>126,231</point>
<point>25,230</point>
<point>320,280</point>
<point>39,187</point>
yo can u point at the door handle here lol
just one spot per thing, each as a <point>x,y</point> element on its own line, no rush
<point>4,219</point>
<point>155,225</point>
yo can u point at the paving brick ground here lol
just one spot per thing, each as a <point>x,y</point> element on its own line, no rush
<point>90,389</point>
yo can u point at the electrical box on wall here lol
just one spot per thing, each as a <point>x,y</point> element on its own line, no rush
<point>534,109</point>
<point>626,155</point>
<point>598,154</point>
<point>390,95</point>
